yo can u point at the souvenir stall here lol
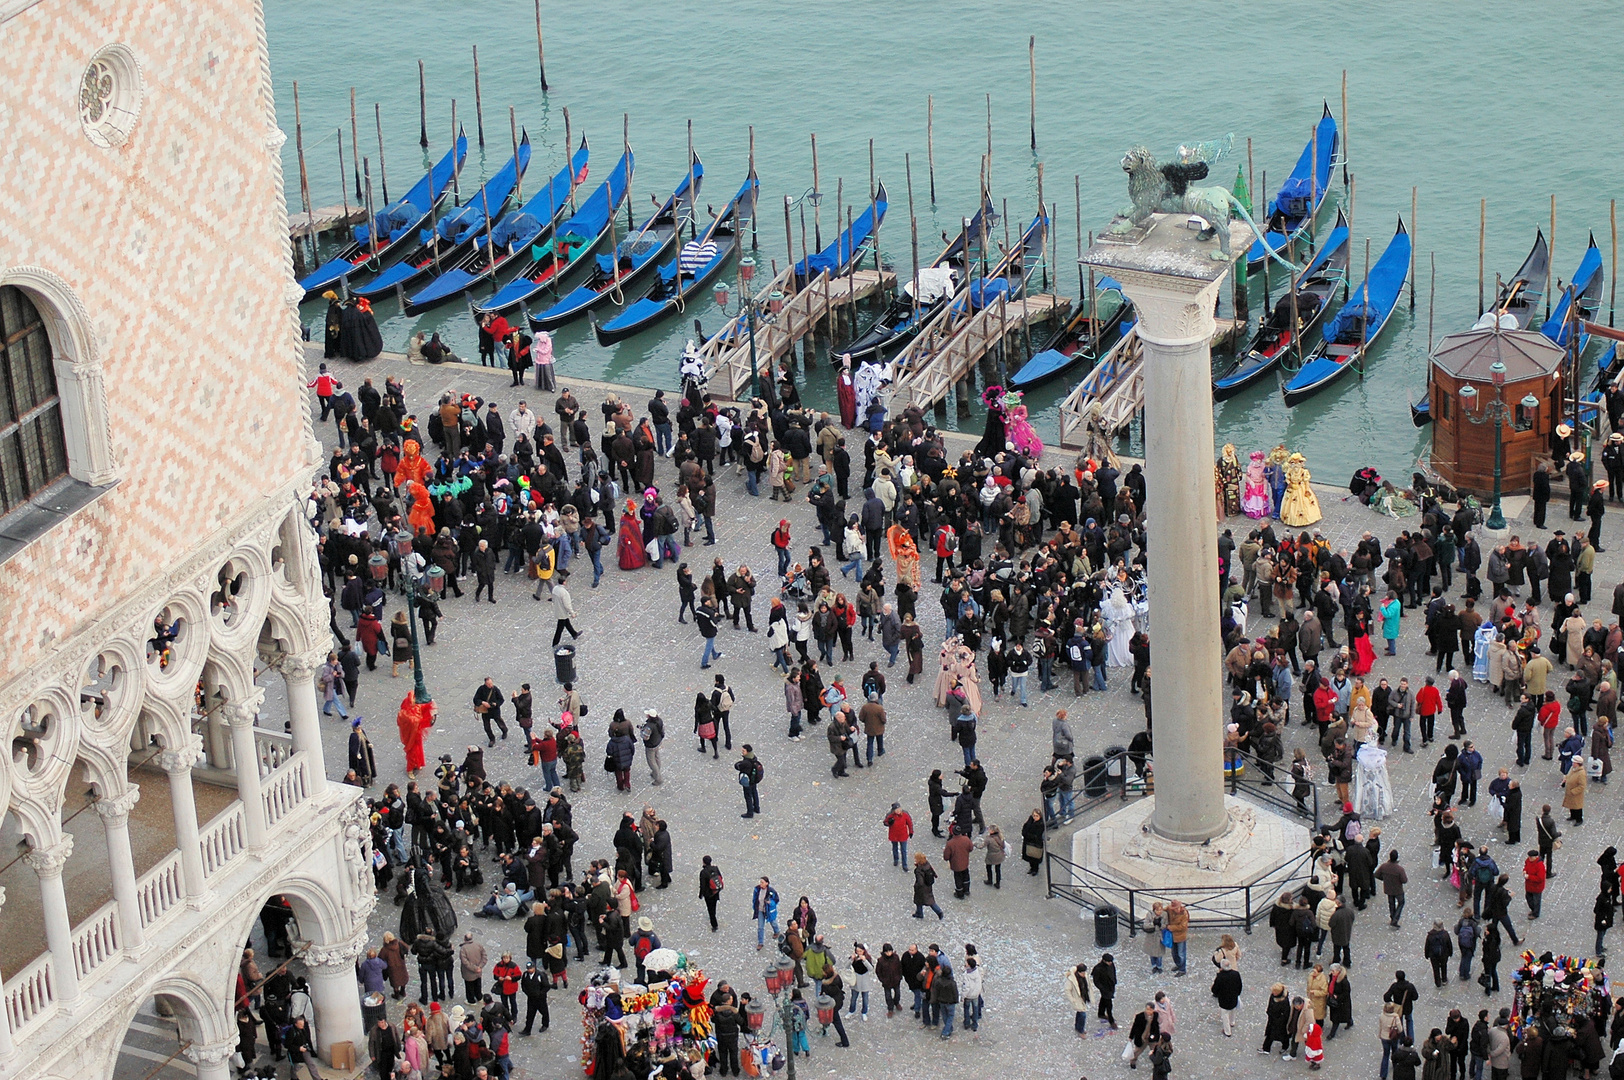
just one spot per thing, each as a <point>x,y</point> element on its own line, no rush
<point>670,1017</point>
<point>1558,989</point>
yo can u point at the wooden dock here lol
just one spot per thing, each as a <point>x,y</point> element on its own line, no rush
<point>926,375</point>
<point>324,220</point>
<point>726,354</point>
<point>1113,392</point>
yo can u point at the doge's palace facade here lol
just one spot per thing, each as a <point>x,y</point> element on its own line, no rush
<point>157,572</point>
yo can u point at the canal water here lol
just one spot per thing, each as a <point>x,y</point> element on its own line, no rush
<point>1487,101</point>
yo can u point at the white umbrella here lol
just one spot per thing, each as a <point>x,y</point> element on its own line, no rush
<point>661,960</point>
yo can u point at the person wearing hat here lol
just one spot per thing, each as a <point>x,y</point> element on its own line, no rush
<point>1612,460</point>
<point>471,960</point>
<point>1540,492</point>
<point>644,941</point>
<point>1578,484</point>
<point>1595,509</point>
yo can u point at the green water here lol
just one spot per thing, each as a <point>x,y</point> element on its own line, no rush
<point>1464,101</point>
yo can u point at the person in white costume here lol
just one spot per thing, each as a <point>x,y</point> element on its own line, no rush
<point>1118,614</point>
<point>1372,792</point>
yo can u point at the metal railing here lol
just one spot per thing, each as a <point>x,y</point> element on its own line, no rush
<point>1118,777</point>
<point>1209,907</point>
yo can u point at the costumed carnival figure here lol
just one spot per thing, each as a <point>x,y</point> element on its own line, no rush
<point>1372,792</point>
<point>1228,481</point>
<point>1275,474</point>
<point>1301,506</point>
<point>1255,500</point>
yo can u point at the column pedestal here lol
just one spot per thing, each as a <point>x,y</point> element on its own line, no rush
<point>335,996</point>
<point>213,1060</point>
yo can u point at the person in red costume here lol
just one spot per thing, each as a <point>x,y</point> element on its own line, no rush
<point>413,720</point>
<point>421,515</point>
<point>413,465</point>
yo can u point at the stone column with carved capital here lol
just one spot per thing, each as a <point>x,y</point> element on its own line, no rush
<point>47,863</point>
<point>334,995</point>
<point>213,1060</point>
<point>241,715</point>
<point>177,762</point>
<point>1174,281</point>
<point>115,814</point>
<point>298,674</point>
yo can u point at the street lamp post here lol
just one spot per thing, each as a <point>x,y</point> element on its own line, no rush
<point>408,577</point>
<point>1497,412</point>
<point>780,980</point>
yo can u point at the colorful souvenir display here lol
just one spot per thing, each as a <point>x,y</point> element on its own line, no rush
<point>1557,989</point>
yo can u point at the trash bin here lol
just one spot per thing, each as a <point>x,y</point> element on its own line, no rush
<point>1116,765</point>
<point>1094,778</point>
<point>1105,927</point>
<point>564,663</point>
<point>373,1009</point>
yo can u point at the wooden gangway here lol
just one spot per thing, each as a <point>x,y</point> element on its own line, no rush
<point>324,220</point>
<point>1113,392</point>
<point>948,349</point>
<point>726,354</point>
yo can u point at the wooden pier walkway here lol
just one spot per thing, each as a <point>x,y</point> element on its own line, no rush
<point>1113,392</point>
<point>326,219</point>
<point>948,349</point>
<point>726,354</point>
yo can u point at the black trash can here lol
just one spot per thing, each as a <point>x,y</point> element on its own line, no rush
<point>1105,927</point>
<point>373,1009</point>
<point>564,663</point>
<point>1116,765</point>
<point>1095,781</point>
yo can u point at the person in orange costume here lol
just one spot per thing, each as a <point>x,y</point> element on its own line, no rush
<point>413,465</point>
<point>413,720</point>
<point>421,515</point>
<point>905,553</point>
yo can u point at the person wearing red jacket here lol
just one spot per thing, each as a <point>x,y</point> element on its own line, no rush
<point>1534,875</point>
<point>947,542</point>
<point>1428,704</point>
<point>781,544</point>
<point>506,975</point>
<point>1550,714</point>
<point>899,830</point>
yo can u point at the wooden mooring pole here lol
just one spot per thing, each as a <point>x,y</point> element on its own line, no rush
<point>423,110</point>
<point>541,53</point>
<point>479,105</point>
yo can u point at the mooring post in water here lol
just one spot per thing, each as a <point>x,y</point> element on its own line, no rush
<point>479,106</point>
<point>1414,204</point>
<point>1345,144</point>
<point>1482,232</point>
<point>456,189</point>
<point>753,215</point>
<point>930,143</point>
<point>1612,297</point>
<point>1032,67</point>
<point>518,178</point>
<point>541,53</point>
<point>1551,261</point>
<point>383,175</point>
<point>874,230</point>
<point>1353,194</point>
<point>1251,188</point>
<point>355,147</point>
<point>304,180</point>
<point>1047,232</point>
<point>1077,191</point>
<point>1432,298</point>
<point>343,175</point>
<point>1267,308</point>
<point>989,142</point>
<point>817,213</point>
<point>569,149</point>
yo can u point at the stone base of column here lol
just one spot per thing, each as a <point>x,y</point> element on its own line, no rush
<point>1122,852</point>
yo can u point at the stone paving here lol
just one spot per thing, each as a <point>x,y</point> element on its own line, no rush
<point>823,837</point>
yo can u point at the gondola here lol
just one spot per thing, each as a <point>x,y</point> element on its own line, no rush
<point>903,317</point>
<point>696,264</point>
<point>1298,201</point>
<point>1077,341</point>
<point>572,241</point>
<point>1583,295</point>
<point>1304,304</point>
<point>510,239</point>
<point>632,256</point>
<point>395,225</point>
<point>456,234</point>
<point>1518,297</point>
<point>839,255</point>
<point>1357,325</point>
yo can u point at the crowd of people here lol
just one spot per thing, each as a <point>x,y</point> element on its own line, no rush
<point>1037,570</point>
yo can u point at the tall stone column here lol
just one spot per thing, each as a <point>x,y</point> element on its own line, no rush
<point>213,1060</point>
<point>298,675</point>
<point>1173,281</point>
<point>335,996</point>
<point>177,763</point>
<point>47,864</point>
<point>7,1047</point>
<point>115,815</point>
<point>241,716</point>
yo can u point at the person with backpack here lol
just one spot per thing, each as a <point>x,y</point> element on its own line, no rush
<point>1483,870</point>
<point>1467,933</point>
<point>764,909</point>
<point>710,888</point>
<point>751,774</point>
<point>1438,948</point>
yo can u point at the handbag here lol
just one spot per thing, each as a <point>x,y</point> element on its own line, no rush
<point>608,763</point>
<point>1032,851</point>
<point>707,730</point>
<point>1167,938</point>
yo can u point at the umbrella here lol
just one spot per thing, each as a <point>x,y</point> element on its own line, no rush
<point>660,960</point>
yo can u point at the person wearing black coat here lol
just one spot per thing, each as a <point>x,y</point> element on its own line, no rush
<point>535,986</point>
<point>660,856</point>
<point>1104,976</point>
<point>1226,987</point>
<point>1032,840</point>
<point>1277,1027</point>
<point>1405,1059</point>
